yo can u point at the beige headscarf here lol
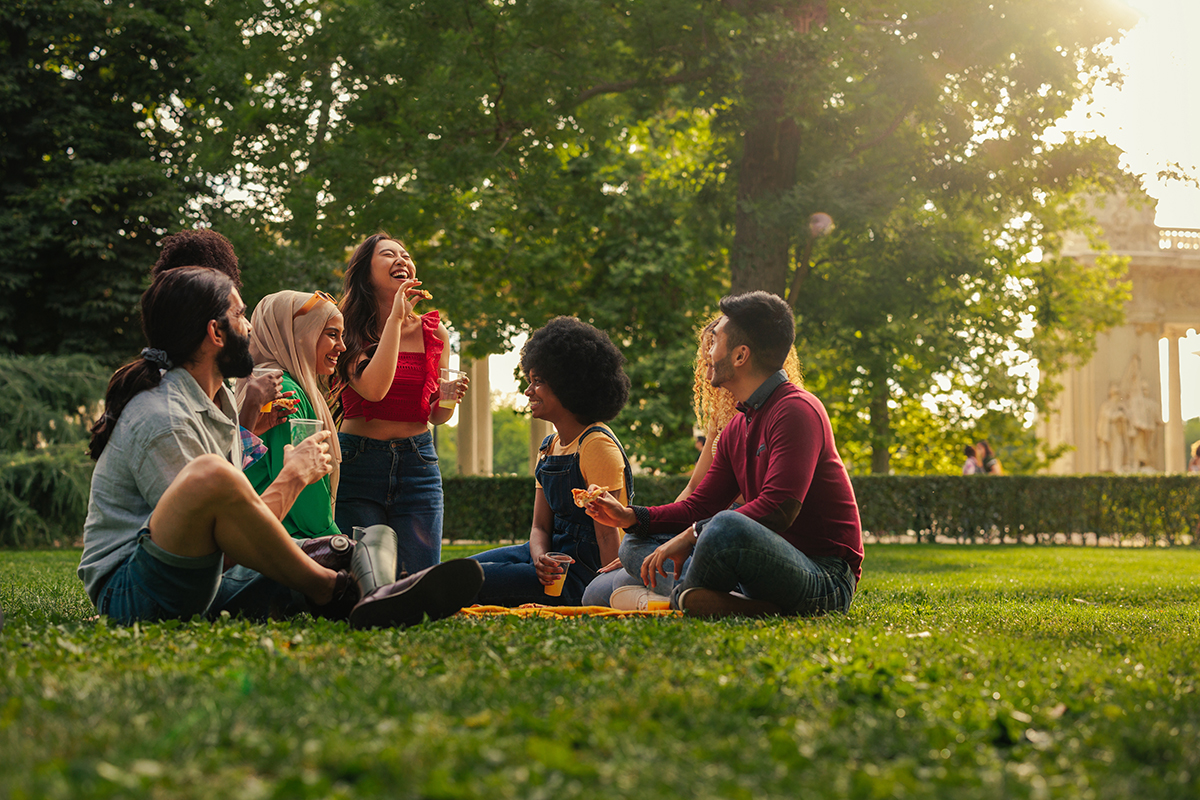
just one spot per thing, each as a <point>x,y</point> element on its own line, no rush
<point>281,341</point>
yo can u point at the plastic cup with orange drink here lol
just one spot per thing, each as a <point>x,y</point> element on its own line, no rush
<point>563,560</point>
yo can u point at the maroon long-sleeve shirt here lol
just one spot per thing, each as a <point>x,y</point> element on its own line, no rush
<point>779,454</point>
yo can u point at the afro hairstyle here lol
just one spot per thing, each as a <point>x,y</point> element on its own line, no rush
<point>198,248</point>
<point>582,367</point>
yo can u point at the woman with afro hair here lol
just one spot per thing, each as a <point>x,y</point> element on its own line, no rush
<point>576,383</point>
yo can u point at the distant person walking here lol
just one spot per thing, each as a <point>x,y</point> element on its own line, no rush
<point>987,459</point>
<point>971,466</point>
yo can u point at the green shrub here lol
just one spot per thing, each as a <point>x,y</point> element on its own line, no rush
<point>43,500</point>
<point>43,496</point>
<point>45,399</point>
<point>1164,509</point>
<point>499,509</point>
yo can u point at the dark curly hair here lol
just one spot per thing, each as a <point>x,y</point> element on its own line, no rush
<point>198,248</point>
<point>582,367</point>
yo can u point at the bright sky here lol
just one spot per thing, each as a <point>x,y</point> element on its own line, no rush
<point>1154,117</point>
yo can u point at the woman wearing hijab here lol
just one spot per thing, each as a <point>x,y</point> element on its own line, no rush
<point>301,334</point>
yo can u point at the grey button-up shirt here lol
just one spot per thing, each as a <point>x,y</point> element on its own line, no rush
<point>158,433</point>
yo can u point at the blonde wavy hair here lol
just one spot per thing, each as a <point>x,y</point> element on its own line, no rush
<point>714,407</point>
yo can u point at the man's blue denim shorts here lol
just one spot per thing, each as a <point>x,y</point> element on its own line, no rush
<point>154,585</point>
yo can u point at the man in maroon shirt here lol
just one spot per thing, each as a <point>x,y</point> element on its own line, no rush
<point>795,546</point>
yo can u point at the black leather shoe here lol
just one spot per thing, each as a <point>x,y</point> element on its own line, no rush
<point>332,552</point>
<point>345,597</point>
<point>433,593</point>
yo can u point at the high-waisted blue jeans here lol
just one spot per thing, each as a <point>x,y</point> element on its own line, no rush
<point>395,483</point>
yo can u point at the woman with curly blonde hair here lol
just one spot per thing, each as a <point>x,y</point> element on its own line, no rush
<point>714,406</point>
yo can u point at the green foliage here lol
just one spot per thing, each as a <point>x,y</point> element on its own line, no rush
<point>87,189</point>
<point>1161,509</point>
<point>1191,435</point>
<point>627,163</point>
<point>45,399</point>
<point>510,441</point>
<point>501,508</point>
<point>44,496</point>
<point>976,672</point>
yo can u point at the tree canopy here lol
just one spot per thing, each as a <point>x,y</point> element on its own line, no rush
<point>85,194</point>
<point>630,162</point>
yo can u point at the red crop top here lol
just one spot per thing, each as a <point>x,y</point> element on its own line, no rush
<point>408,399</point>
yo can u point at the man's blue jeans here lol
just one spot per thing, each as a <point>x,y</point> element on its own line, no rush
<point>735,553</point>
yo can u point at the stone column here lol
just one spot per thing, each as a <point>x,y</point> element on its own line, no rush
<point>1174,440</point>
<point>475,421</point>
<point>539,429</point>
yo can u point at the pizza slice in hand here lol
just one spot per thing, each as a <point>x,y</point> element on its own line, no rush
<point>584,496</point>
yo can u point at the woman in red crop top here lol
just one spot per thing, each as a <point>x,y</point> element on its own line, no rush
<point>389,387</point>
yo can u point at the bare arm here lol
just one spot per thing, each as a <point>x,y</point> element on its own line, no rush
<point>302,465</point>
<point>437,414</point>
<point>541,539</point>
<point>375,381</point>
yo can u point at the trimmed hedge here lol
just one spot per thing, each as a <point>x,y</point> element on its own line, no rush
<point>495,509</point>
<point>1162,509</point>
<point>43,501</point>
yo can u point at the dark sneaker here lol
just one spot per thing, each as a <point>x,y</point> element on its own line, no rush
<point>332,552</point>
<point>432,593</point>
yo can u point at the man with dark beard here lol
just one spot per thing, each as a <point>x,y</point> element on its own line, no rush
<point>207,248</point>
<point>795,545</point>
<point>169,503</point>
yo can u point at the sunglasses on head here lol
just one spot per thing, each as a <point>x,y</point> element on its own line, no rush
<point>311,303</point>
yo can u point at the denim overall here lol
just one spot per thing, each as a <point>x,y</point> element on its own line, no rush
<point>509,578</point>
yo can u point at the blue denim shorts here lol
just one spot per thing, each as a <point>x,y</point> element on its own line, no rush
<point>154,585</point>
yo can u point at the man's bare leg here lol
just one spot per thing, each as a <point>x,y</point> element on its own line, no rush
<point>211,506</point>
<point>698,602</point>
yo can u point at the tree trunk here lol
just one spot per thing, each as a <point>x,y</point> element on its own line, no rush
<point>767,172</point>
<point>881,429</point>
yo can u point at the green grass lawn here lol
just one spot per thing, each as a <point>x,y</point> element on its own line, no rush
<point>960,672</point>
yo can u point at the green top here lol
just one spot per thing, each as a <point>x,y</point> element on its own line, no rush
<point>312,513</point>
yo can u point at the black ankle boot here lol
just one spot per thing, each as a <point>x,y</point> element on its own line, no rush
<point>432,593</point>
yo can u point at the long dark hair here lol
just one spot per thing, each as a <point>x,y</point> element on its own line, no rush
<point>360,311</point>
<point>176,310</point>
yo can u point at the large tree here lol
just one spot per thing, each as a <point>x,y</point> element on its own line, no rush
<point>85,193</point>
<point>630,161</point>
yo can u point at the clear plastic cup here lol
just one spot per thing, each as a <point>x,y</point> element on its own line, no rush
<point>555,589</point>
<point>304,428</point>
<point>449,387</point>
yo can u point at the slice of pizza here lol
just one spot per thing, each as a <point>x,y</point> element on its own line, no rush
<point>289,403</point>
<point>583,496</point>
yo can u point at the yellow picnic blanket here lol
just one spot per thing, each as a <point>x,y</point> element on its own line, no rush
<point>538,610</point>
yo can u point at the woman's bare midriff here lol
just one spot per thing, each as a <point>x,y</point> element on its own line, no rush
<point>382,429</point>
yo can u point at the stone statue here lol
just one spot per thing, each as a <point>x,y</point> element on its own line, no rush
<point>1111,419</point>
<point>1144,419</point>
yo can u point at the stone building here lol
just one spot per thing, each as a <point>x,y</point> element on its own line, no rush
<point>1110,409</point>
